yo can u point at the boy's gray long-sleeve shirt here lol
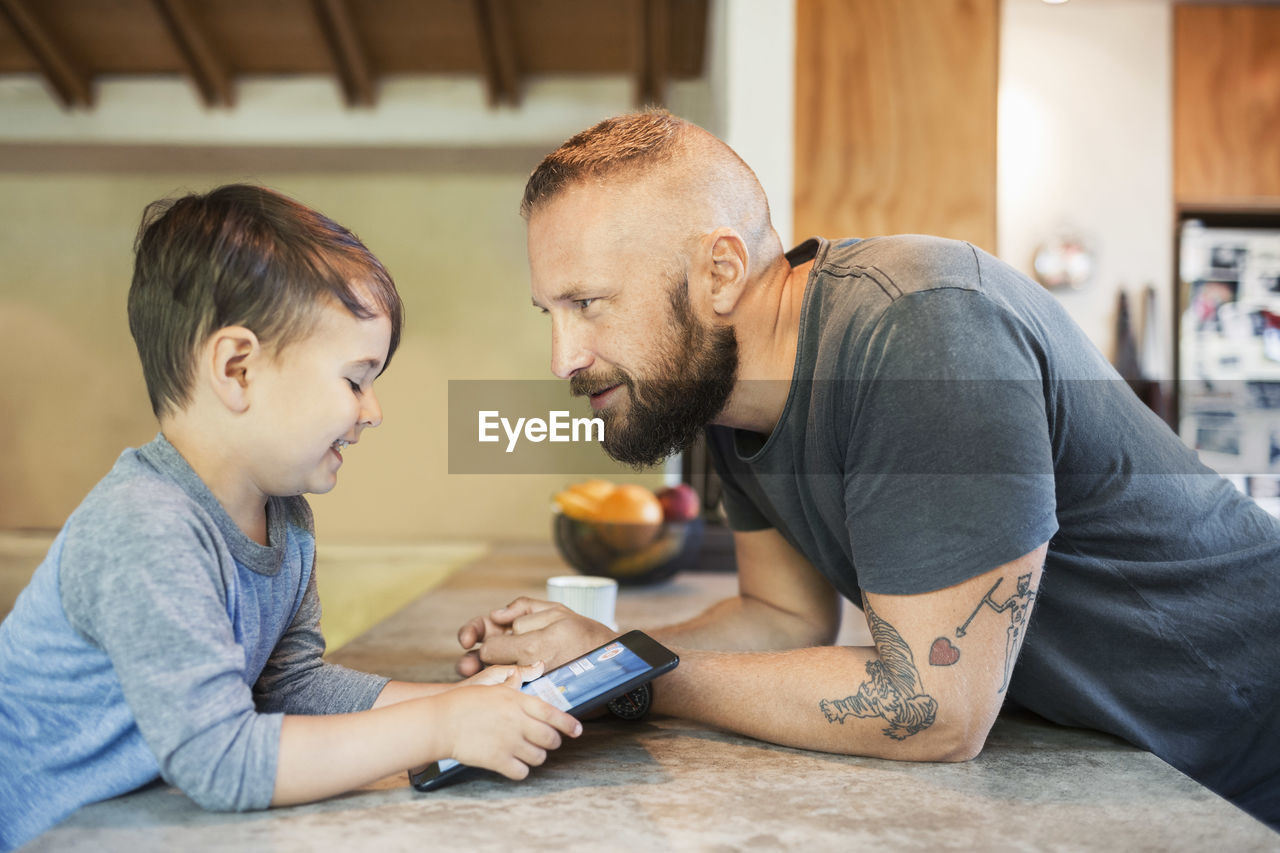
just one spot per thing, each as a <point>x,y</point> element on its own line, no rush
<point>157,639</point>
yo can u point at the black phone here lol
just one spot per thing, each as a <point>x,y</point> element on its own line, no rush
<point>579,686</point>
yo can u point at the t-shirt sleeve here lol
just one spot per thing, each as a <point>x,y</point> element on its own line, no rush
<point>143,584</point>
<point>296,680</point>
<point>950,465</point>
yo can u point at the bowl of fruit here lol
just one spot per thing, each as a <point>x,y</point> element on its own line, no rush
<point>627,532</point>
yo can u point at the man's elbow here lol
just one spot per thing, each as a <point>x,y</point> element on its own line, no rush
<point>934,746</point>
<point>958,740</point>
<point>942,747</point>
<point>942,742</point>
<point>963,750</point>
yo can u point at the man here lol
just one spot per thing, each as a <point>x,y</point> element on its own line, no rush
<point>910,423</point>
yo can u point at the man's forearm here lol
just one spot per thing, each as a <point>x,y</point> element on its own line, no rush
<point>744,624</point>
<point>928,690</point>
<point>833,699</point>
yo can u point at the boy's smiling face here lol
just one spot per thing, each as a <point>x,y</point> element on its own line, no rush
<point>312,399</point>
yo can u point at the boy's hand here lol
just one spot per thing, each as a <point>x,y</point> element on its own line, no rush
<point>501,675</point>
<point>499,728</point>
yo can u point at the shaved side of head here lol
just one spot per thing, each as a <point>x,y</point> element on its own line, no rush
<point>688,181</point>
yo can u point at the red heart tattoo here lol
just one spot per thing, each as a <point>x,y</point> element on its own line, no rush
<point>942,653</point>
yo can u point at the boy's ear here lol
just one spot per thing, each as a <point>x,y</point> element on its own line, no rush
<point>726,257</point>
<point>232,352</point>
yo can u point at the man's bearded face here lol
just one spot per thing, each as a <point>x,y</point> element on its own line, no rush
<point>687,386</point>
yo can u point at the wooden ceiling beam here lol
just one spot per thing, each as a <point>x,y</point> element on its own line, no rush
<point>205,67</point>
<point>349,58</point>
<point>497,51</point>
<point>652,28</point>
<point>64,73</point>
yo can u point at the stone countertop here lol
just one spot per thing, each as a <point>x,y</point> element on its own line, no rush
<point>669,784</point>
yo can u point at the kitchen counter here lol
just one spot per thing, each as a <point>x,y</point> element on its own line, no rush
<point>669,784</point>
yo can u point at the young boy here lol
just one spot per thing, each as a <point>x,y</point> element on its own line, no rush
<point>173,628</point>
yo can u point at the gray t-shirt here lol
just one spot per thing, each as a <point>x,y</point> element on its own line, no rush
<point>945,417</point>
<point>157,639</point>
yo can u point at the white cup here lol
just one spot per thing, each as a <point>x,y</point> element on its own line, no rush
<point>592,597</point>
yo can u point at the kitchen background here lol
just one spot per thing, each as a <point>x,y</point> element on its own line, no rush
<point>1078,133</point>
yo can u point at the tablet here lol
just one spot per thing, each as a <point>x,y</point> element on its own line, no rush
<point>579,686</point>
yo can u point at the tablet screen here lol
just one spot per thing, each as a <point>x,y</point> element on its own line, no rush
<point>583,679</point>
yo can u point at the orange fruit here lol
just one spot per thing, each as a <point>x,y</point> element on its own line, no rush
<point>594,490</point>
<point>582,500</point>
<point>630,517</point>
<point>576,505</point>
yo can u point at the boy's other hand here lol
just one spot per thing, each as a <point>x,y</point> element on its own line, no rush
<point>505,674</point>
<point>499,728</point>
<point>528,630</point>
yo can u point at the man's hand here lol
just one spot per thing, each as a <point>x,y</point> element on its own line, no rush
<point>527,631</point>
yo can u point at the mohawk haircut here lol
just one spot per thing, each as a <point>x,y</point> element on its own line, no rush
<point>619,145</point>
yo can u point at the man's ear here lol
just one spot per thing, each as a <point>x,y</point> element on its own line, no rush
<point>728,261</point>
<point>231,352</point>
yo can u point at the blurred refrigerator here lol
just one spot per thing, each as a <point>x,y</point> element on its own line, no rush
<point>1228,395</point>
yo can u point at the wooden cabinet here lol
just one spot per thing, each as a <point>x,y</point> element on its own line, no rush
<point>896,118</point>
<point>1226,145</point>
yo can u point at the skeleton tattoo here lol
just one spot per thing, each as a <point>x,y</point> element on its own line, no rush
<point>893,691</point>
<point>1018,605</point>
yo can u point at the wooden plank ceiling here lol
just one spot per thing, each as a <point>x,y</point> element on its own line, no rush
<point>71,43</point>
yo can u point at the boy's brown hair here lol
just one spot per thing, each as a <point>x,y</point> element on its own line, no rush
<point>241,255</point>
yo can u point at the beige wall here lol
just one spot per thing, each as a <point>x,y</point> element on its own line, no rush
<point>1086,148</point>
<point>73,395</point>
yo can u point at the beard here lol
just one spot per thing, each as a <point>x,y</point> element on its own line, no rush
<point>688,387</point>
